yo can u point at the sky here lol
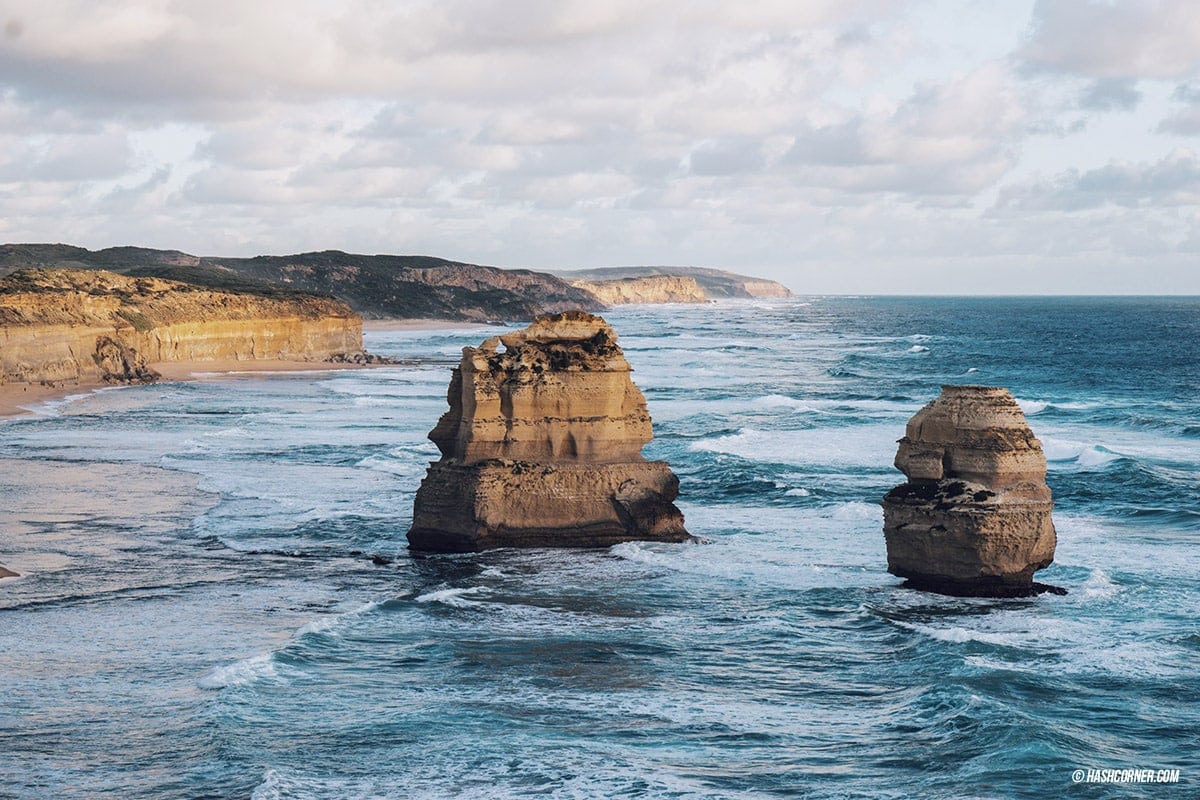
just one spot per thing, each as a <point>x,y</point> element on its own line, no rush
<point>839,146</point>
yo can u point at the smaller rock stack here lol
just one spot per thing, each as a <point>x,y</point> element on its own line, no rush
<point>542,447</point>
<point>974,517</point>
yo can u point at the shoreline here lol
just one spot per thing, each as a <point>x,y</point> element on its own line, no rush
<point>16,399</point>
<point>424,324</point>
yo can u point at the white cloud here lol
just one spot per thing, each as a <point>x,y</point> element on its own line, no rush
<point>1115,38</point>
<point>1172,181</point>
<point>1184,120</point>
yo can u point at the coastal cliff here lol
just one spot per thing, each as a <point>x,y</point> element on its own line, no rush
<point>650,289</point>
<point>98,326</point>
<point>405,287</point>
<point>374,286</point>
<point>717,284</point>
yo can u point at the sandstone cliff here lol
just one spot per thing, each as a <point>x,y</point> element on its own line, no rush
<point>94,325</point>
<point>651,289</point>
<point>974,517</point>
<point>541,447</point>
<point>715,283</point>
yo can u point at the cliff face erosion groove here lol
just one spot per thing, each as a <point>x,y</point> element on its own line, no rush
<point>974,518</point>
<point>541,447</point>
<point>649,289</point>
<point>96,326</point>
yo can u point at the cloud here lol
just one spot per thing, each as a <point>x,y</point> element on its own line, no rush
<point>66,157</point>
<point>952,137</point>
<point>1185,120</point>
<point>1173,181</point>
<point>1119,39</point>
<point>1111,94</point>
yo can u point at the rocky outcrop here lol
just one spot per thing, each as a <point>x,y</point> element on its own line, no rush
<point>651,289</point>
<point>974,518</point>
<point>95,326</point>
<point>8,573</point>
<point>542,447</point>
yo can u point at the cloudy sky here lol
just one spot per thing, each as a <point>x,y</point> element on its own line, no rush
<point>874,146</point>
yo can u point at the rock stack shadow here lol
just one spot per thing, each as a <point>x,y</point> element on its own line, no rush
<point>974,517</point>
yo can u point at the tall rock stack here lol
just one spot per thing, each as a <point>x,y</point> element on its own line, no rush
<point>974,517</point>
<point>542,447</point>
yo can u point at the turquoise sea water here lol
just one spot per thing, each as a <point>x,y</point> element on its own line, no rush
<point>221,603</point>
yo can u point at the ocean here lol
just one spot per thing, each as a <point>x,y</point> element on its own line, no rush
<point>222,604</point>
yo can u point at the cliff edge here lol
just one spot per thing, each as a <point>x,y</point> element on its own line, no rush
<point>717,284</point>
<point>98,326</point>
<point>650,289</point>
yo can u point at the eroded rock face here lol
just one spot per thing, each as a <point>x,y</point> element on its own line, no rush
<point>91,326</point>
<point>648,289</point>
<point>119,363</point>
<point>974,517</point>
<point>542,447</point>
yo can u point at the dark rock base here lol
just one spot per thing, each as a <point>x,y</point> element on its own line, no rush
<point>982,588</point>
<point>461,509</point>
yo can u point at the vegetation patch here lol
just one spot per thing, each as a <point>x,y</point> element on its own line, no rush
<point>140,322</point>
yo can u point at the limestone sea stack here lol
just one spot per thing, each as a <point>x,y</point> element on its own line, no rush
<point>974,517</point>
<point>542,447</point>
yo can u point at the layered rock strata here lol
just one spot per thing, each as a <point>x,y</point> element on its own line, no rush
<point>67,325</point>
<point>650,289</point>
<point>715,283</point>
<point>542,447</point>
<point>974,518</point>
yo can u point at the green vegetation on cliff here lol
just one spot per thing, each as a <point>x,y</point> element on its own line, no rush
<point>377,286</point>
<point>385,286</point>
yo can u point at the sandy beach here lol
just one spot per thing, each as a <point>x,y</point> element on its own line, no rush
<point>15,398</point>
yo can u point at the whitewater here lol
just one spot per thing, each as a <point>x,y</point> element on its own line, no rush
<point>220,602</point>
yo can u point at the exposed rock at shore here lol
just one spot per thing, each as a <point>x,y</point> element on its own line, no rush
<point>65,325</point>
<point>974,518</point>
<point>542,447</point>
<point>360,357</point>
<point>119,363</point>
<point>8,573</point>
<point>650,289</point>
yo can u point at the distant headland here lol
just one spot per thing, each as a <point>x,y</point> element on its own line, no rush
<point>407,287</point>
